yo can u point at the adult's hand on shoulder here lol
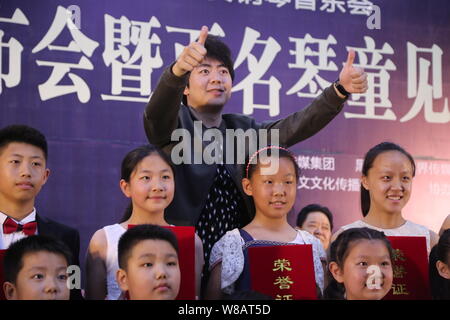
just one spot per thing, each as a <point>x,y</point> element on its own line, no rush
<point>353,79</point>
<point>192,55</point>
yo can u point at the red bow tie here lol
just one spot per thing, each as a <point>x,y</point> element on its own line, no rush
<point>10,226</point>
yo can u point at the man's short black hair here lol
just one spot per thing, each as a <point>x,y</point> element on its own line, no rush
<point>217,49</point>
<point>303,214</point>
<point>13,261</point>
<point>141,233</point>
<point>23,134</point>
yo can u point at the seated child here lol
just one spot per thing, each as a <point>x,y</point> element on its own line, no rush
<point>148,263</point>
<point>271,179</point>
<point>35,268</point>
<point>360,265</point>
<point>440,268</point>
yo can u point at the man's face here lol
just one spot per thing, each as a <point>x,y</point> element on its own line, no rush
<point>23,172</point>
<point>209,85</point>
<point>42,277</point>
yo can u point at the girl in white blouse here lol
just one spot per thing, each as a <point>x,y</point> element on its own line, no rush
<point>271,180</point>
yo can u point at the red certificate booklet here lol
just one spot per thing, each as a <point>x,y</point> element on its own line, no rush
<point>284,272</point>
<point>410,269</point>
<point>186,257</point>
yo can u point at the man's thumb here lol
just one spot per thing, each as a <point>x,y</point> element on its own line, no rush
<point>350,58</point>
<point>203,35</point>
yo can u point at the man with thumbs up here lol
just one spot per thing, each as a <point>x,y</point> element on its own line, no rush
<point>196,87</point>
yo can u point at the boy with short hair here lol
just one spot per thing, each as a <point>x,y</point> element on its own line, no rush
<point>148,263</point>
<point>35,268</point>
<point>23,172</point>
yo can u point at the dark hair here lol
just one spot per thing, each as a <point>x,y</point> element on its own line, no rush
<point>130,162</point>
<point>13,260</point>
<point>340,249</point>
<point>440,287</point>
<point>23,134</point>
<point>217,49</point>
<point>305,211</point>
<point>140,233</point>
<point>370,157</point>
<point>252,162</point>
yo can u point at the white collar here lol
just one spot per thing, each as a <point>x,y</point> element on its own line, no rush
<point>29,218</point>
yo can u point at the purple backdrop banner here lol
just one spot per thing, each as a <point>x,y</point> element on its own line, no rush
<point>84,79</point>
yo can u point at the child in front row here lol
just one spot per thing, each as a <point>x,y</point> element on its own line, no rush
<point>147,177</point>
<point>439,268</point>
<point>360,265</point>
<point>271,179</point>
<point>148,262</point>
<point>35,268</point>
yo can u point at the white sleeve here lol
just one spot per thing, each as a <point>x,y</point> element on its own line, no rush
<point>228,250</point>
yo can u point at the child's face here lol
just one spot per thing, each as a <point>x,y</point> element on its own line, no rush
<point>153,272</point>
<point>389,182</point>
<point>364,253</point>
<point>151,185</point>
<point>23,172</point>
<point>317,223</point>
<point>273,194</point>
<point>42,277</point>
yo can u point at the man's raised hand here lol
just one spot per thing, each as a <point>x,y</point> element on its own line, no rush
<point>192,55</point>
<point>353,79</point>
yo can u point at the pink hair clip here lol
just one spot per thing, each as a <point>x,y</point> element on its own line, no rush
<point>262,149</point>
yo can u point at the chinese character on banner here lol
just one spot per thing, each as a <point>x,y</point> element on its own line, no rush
<point>316,183</point>
<point>303,183</point>
<point>329,184</point>
<point>328,163</point>
<point>360,7</point>
<point>305,5</point>
<point>215,30</point>
<point>330,5</point>
<point>377,94</point>
<point>80,43</point>
<point>133,68</point>
<point>14,49</point>
<point>279,3</point>
<point>310,77</point>
<point>316,163</point>
<point>353,184</point>
<point>303,162</point>
<point>257,69</point>
<point>420,88</point>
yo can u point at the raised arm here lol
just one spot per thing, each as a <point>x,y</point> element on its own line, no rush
<point>161,113</point>
<point>310,120</point>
